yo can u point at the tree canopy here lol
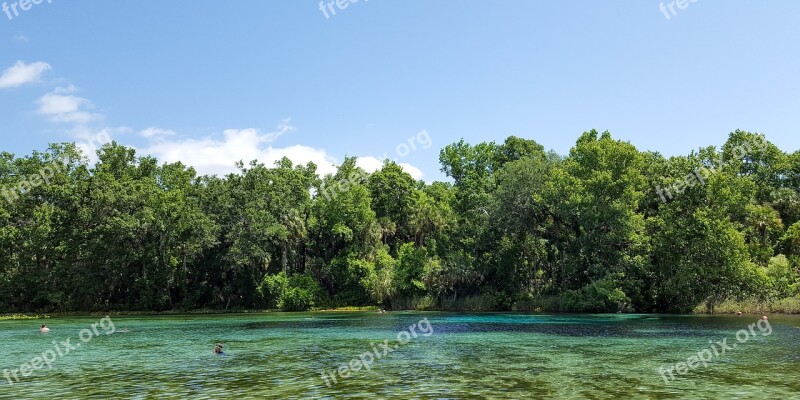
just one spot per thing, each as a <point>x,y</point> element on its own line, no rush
<point>604,228</point>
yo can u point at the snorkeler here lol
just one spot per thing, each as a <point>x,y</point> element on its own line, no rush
<point>44,329</point>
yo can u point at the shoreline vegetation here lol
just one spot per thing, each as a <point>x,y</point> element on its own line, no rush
<point>12,317</point>
<point>787,306</point>
<point>606,228</point>
<point>745,309</point>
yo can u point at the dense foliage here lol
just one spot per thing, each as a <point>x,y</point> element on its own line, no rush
<point>605,228</point>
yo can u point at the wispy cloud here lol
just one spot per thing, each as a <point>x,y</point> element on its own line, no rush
<point>155,133</point>
<point>209,156</point>
<point>62,106</point>
<point>20,74</point>
<point>283,128</point>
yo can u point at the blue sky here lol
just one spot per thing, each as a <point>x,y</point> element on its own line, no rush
<point>210,82</point>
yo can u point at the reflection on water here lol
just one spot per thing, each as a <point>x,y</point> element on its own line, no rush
<point>477,356</point>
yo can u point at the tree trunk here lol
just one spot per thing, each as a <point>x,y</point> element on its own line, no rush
<point>285,258</point>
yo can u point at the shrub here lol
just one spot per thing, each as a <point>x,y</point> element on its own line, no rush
<point>603,295</point>
<point>782,277</point>
<point>299,292</point>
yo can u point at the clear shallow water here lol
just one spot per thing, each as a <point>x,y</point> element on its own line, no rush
<point>467,356</point>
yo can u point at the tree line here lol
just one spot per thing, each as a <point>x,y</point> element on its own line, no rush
<point>604,228</point>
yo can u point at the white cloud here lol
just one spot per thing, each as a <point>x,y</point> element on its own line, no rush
<point>300,154</point>
<point>210,156</point>
<point>154,133</point>
<point>369,164</point>
<point>61,106</point>
<point>372,164</point>
<point>65,89</point>
<point>21,73</point>
<point>219,156</point>
<point>415,172</point>
<point>21,39</point>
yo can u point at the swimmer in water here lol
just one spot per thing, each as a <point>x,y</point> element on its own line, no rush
<point>44,329</point>
<point>218,349</point>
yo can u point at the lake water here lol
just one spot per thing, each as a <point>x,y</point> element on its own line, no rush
<point>445,356</point>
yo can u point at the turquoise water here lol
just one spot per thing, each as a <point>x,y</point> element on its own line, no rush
<point>455,356</point>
